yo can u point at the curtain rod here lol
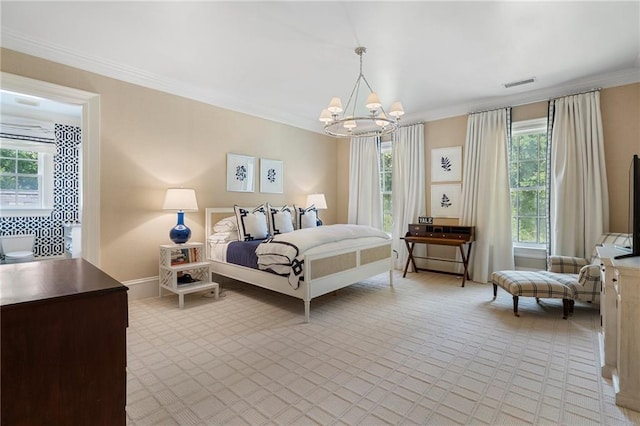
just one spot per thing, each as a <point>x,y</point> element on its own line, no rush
<point>541,100</point>
<point>597,89</point>
<point>489,110</point>
<point>412,124</point>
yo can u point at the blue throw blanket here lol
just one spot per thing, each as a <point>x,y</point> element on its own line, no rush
<point>243,253</point>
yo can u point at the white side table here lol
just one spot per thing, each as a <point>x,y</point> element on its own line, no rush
<point>179,259</point>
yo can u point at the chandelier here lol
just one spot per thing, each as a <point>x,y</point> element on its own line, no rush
<point>346,123</point>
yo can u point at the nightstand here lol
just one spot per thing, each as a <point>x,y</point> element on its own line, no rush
<point>183,270</point>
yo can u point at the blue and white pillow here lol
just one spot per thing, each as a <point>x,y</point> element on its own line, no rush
<point>306,217</point>
<point>252,223</point>
<point>281,219</point>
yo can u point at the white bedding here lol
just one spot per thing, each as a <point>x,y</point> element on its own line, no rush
<point>284,253</point>
<point>218,250</point>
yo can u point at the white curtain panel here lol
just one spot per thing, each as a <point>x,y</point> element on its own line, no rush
<point>579,199</point>
<point>408,187</point>
<point>365,198</point>
<point>486,202</point>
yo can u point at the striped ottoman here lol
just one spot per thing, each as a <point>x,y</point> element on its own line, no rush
<point>538,284</point>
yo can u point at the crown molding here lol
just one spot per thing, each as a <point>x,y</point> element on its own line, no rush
<point>40,48</point>
<point>601,81</point>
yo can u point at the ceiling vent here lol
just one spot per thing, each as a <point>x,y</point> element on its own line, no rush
<point>519,83</point>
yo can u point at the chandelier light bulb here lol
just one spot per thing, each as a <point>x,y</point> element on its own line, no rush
<point>382,123</point>
<point>373,102</point>
<point>350,124</point>
<point>335,106</point>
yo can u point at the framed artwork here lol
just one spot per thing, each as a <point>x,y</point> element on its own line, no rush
<point>240,172</point>
<point>445,200</point>
<point>446,164</point>
<point>271,176</point>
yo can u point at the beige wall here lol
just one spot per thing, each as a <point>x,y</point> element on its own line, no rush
<point>621,126</point>
<point>621,123</point>
<point>152,140</point>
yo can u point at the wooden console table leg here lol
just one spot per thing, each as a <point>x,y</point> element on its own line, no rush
<point>409,259</point>
<point>465,262</point>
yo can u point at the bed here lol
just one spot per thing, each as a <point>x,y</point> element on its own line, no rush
<point>324,268</point>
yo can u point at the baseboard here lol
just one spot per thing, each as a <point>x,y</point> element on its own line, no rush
<point>142,288</point>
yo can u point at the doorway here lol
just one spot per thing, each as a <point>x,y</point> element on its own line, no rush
<point>89,191</point>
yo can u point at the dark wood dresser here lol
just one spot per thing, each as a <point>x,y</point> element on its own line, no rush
<point>63,344</point>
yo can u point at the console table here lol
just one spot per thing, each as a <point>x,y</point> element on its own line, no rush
<point>63,342</point>
<point>447,240</point>
<point>619,342</point>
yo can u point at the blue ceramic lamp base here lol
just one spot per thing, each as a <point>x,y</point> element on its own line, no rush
<point>180,234</point>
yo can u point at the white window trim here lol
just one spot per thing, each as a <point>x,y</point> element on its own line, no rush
<point>385,146</point>
<point>530,250</point>
<point>46,151</point>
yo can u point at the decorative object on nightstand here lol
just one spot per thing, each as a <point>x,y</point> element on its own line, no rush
<point>319,202</point>
<point>183,271</point>
<point>182,200</point>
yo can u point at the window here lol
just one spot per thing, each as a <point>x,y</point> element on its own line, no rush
<point>26,178</point>
<point>528,182</point>
<point>385,183</point>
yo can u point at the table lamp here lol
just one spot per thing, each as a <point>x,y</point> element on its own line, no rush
<point>319,202</point>
<point>181,200</point>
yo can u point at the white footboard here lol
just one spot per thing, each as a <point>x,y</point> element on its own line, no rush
<point>324,272</point>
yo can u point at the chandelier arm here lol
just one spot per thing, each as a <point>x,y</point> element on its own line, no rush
<point>356,86</point>
<point>335,128</point>
<point>367,83</point>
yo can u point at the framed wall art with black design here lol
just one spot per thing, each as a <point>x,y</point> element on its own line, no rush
<point>271,176</point>
<point>240,173</point>
<point>445,200</point>
<point>446,164</point>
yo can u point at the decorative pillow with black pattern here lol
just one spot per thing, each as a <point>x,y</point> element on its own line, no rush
<point>252,223</point>
<point>280,219</point>
<point>306,217</point>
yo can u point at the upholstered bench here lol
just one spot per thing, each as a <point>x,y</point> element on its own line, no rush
<point>538,284</point>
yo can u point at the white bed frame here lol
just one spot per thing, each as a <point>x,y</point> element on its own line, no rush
<point>365,260</point>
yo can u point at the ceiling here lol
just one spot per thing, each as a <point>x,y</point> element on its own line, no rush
<point>283,61</point>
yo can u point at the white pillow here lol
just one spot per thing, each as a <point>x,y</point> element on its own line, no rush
<point>280,220</point>
<point>224,237</point>
<point>306,217</point>
<point>252,223</point>
<point>227,224</point>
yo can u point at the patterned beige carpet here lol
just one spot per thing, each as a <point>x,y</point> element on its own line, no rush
<point>423,352</point>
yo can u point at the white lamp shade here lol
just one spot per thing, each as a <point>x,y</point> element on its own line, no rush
<point>373,102</point>
<point>317,200</point>
<point>335,106</point>
<point>325,116</point>
<point>396,109</point>
<point>180,199</point>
